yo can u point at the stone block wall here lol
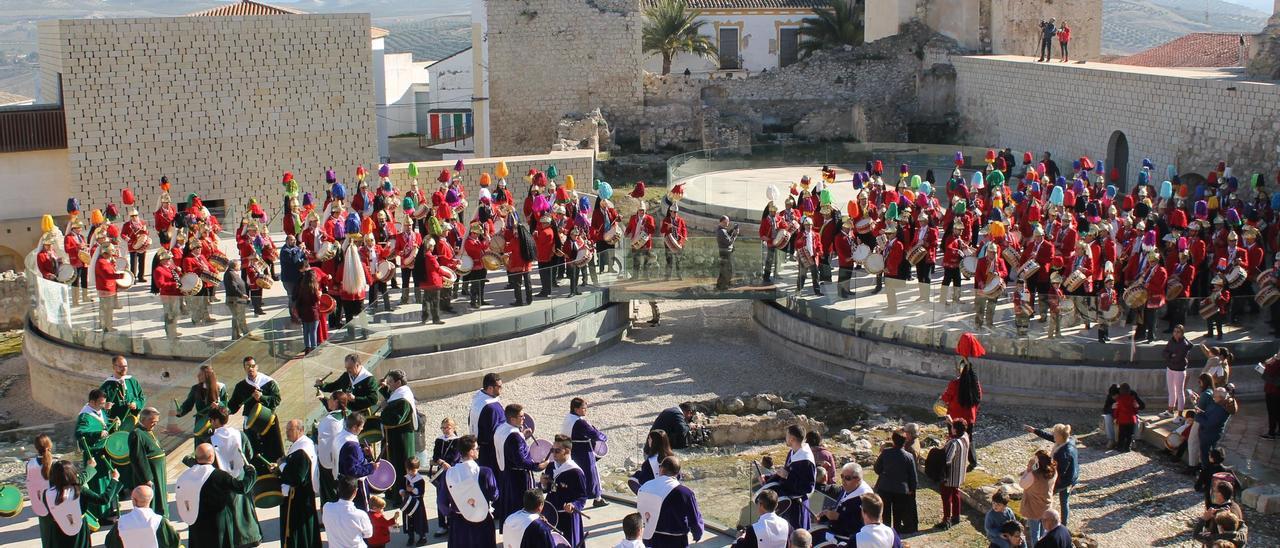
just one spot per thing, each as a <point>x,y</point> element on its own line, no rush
<point>221,105</point>
<point>551,58</point>
<point>14,301</point>
<point>1173,117</point>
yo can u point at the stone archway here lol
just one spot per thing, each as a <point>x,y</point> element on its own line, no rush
<point>1118,159</point>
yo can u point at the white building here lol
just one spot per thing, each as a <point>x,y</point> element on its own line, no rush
<point>449,116</point>
<point>406,89</point>
<point>751,35</point>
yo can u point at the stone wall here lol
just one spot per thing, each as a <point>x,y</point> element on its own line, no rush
<point>868,93</point>
<point>222,105</point>
<point>1173,117</point>
<point>1015,26</point>
<point>13,299</point>
<point>551,58</point>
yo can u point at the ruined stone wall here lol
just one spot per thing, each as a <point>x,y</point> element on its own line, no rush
<point>867,93</point>
<point>1074,110</point>
<point>551,58</point>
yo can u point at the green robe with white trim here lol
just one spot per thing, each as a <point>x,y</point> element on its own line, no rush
<point>299,520</point>
<point>271,445</point>
<point>93,444</point>
<point>147,464</point>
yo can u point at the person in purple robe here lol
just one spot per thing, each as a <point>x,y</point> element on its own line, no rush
<point>566,487</point>
<point>585,436</point>
<point>444,454</point>
<point>656,448</point>
<point>669,510</point>
<point>796,479</point>
<point>471,491</point>
<point>528,528</point>
<point>515,466</point>
<point>353,458</point>
<point>485,418</point>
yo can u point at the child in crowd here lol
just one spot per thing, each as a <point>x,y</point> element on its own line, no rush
<point>1221,298</point>
<point>415,512</point>
<point>1108,418</point>
<point>381,523</point>
<point>1177,442</point>
<point>1055,306</point>
<point>1012,533</point>
<point>1126,414</point>
<point>999,515</point>
<point>1106,300</point>
<point>1022,310</point>
<point>631,532</point>
<point>443,456</point>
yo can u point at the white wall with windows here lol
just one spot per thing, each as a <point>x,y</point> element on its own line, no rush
<point>749,40</point>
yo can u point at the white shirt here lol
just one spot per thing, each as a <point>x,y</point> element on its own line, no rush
<point>346,525</point>
<point>629,544</point>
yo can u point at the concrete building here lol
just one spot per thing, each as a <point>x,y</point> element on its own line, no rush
<point>406,85</point>
<point>751,36</point>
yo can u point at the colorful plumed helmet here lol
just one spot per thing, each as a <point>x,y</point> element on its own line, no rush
<point>1178,219</point>
<point>1068,198</point>
<point>584,203</point>
<point>444,176</point>
<point>1143,208</point>
<point>1213,202</point>
<point>46,223</point>
<point>386,187</point>
<point>904,170</point>
<point>1143,178</point>
<point>127,197</point>
<point>1126,204</point>
<point>340,230</point>
<point>308,200</point>
<point>451,197</point>
<point>891,212</point>
<point>338,191</point>
<point>458,166</point>
<point>360,173</point>
<point>1018,197</point>
<point>1149,240</point>
<point>1075,165</point>
<point>996,179</point>
<point>407,204</point>
<point>824,197</point>
<point>112,213</point>
<point>991,156</point>
<point>287,177</point>
<point>1166,190</point>
<point>852,209</point>
<point>1097,167</point>
<point>73,206</point>
<point>413,170</point>
<point>996,229</point>
<point>1146,164</point>
<point>958,159</point>
<point>871,166</point>
<point>1182,244</point>
<point>1056,197</point>
<point>95,217</point>
<point>605,191</point>
<point>1078,187</point>
<point>352,224</point>
<point>922,201</point>
<point>570,183</point>
<point>1091,211</point>
<point>552,172</point>
<point>1034,188</point>
<point>1233,184</point>
<point>330,177</point>
<point>959,207</point>
<point>1275,200</point>
<point>164,183</point>
<point>539,179</point>
<point>977,180</point>
<point>1212,179</point>
<point>877,167</point>
<point>501,171</point>
<point>915,182</point>
<point>384,170</point>
<point>1001,164</point>
<point>1027,158</point>
<point>485,180</point>
<point>1233,217</point>
<point>926,189</point>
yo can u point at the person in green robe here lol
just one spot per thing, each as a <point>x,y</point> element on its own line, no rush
<point>234,454</point>
<point>359,382</point>
<point>259,395</point>
<point>299,478</point>
<point>124,393</point>
<point>205,500</point>
<point>399,426</point>
<point>69,494</point>
<point>127,399</point>
<point>142,524</point>
<point>204,395</point>
<point>147,461</point>
<point>92,429</point>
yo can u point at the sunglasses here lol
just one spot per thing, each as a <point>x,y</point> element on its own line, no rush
<point>849,478</point>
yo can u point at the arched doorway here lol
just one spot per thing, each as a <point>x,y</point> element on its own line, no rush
<point>1118,159</point>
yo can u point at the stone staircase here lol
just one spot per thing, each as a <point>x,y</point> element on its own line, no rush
<point>1251,457</point>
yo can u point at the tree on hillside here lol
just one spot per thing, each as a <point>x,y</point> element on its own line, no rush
<point>838,24</point>
<point>671,28</point>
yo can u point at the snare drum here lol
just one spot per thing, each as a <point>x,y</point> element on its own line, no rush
<point>383,273</point>
<point>267,492</point>
<point>498,244</point>
<point>1236,277</point>
<point>383,476</point>
<point>492,261</point>
<point>125,281</point>
<point>1135,297</point>
<point>1012,258</point>
<point>1028,269</point>
<point>117,448</point>
<point>600,448</point>
<point>1112,315</point>
<point>1208,307</point>
<point>190,284</point>
<point>1075,280</point>
<point>861,253</point>
<point>994,288</point>
<point>863,225</point>
<point>1267,296</point>
<point>466,264</point>
<point>210,278</point>
<point>449,277</point>
<point>1173,290</point>
<point>969,266</point>
<point>781,238</point>
<point>66,274</point>
<point>874,264</point>
<point>916,255</point>
<point>539,450</point>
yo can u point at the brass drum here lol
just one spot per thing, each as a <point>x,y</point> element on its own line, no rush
<point>1135,297</point>
<point>1075,280</point>
<point>1028,269</point>
<point>498,244</point>
<point>492,261</point>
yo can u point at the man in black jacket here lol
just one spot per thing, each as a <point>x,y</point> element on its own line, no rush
<point>675,422</point>
<point>237,297</point>
<point>896,484</point>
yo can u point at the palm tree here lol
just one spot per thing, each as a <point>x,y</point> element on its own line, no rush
<point>671,28</point>
<point>838,24</point>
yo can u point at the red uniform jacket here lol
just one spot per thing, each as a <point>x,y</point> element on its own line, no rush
<point>435,277</point>
<point>989,265</point>
<point>814,239</point>
<point>475,248</point>
<point>516,264</point>
<point>1254,256</point>
<point>675,225</point>
<point>1223,300</point>
<point>47,262</point>
<point>601,219</point>
<point>105,274</point>
<point>544,239</point>
<point>444,254</point>
<point>951,252</point>
<point>844,246</point>
<point>767,229</point>
<point>164,217</point>
<point>894,258</point>
<point>131,232</point>
<point>635,222</point>
<point>1186,274</point>
<point>196,263</point>
<point>73,243</point>
<point>930,242</point>
<point>167,281</point>
<point>1156,286</point>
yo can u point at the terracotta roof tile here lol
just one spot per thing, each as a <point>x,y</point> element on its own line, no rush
<point>1200,49</point>
<point>749,4</point>
<point>244,7</point>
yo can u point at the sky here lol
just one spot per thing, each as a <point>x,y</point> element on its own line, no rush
<point>1264,6</point>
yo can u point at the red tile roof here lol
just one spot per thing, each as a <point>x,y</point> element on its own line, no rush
<point>1200,49</point>
<point>244,7</point>
<point>749,4</point>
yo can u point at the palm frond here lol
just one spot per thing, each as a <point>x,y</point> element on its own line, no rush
<point>838,24</point>
<point>671,28</point>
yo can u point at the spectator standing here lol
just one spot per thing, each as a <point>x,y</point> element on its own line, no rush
<point>1108,419</point>
<point>1064,36</point>
<point>1271,376</point>
<point>826,460</point>
<point>1037,482</point>
<point>1176,353</point>
<point>1047,33</point>
<point>1204,398</point>
<point>962,396</point>
<point>1218,363</point>
<point>957,463</point>
<point>1065,457</point>
<point>1125,411</point>
<point>1213,421</point>
<point>896,483</point>
<point>292,257</point>
<point>307,307</point>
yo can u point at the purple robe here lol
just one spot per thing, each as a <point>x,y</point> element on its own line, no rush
<point>641,477</point>
<point>538,535</point>
<point>463,533</point>
<point>584,438</point>
<point>515,479</point>
<point>680,516</point>
<point>798,484</point>
<point>415,510</point>
<point>570,487</point>
<point>352,462</point>
<point>491,417</point>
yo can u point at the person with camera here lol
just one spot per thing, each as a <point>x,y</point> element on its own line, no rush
<point>725,237</point>
<point>1048,31</point>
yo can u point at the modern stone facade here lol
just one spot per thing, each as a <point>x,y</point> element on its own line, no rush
<point>221,105</point>
<point>551,58</point>
<point>1191,119</point>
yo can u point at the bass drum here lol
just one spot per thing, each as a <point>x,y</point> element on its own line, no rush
<point>1112,315</point>
<point>492,261</point>
<point>466,264</point>
<point>861,253</point>
<point>66,274</point>
<point>874,264</point>
<point>190,284</point>
<point>969,266</point>
<point>498,244</point>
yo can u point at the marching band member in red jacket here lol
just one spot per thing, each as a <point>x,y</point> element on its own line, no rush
<point>165,275</point>
<point>673,225</point>
<point>1154,279</point>
<point>134,234</point>
<point>954,245</point>
<point>545,241</point>
<point>474,247</point>
<point>808,249</point>
<point>1221,297</point>
<point>73,243</point>
<point>895,266</point>
<point>430,282</point>
<point>1184,273</point>
<point>844,244</point>
<point>926,237</point>
<point>641,227</point>
<point>408,244</point>
<point>768,231</point>
<point>374,255</point>
<point>104,279</point>
<point>46,260</point>
<point>986,281</point>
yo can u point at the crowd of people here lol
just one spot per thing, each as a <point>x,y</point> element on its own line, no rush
<point>1062,245</point>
